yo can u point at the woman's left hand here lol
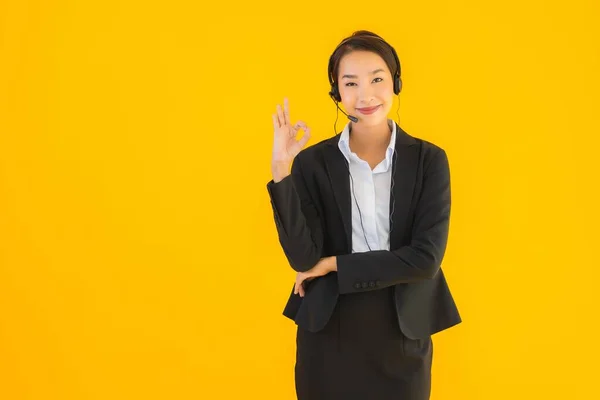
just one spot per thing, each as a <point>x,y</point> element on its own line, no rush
<point>323,267</point>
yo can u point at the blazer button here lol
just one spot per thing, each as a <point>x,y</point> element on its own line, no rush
<point>357,285</point>
<point>365,285</point>
<point>372,284</point>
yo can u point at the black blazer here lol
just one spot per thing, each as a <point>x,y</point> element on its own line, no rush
<point>312,213</point>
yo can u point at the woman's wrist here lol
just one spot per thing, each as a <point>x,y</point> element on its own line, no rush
<point>279,171</point>
<point>333,263</point>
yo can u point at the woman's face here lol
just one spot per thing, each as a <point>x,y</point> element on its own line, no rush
<point>364,80</point>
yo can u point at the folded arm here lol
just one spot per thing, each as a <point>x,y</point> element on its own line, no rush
<point>419,260</point>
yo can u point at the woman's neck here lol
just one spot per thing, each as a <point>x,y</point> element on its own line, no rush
<point>370,138</point>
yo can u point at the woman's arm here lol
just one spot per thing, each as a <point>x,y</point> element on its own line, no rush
<point>422,258</point>
<point>297,219</point>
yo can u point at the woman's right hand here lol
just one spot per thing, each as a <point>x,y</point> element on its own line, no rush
<point>285,145</point>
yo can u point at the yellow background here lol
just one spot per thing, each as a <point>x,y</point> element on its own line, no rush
<point>138,254</point>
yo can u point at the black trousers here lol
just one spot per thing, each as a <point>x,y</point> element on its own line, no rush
<point>362,354</point>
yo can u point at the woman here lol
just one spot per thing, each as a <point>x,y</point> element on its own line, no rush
<point>363,218</point>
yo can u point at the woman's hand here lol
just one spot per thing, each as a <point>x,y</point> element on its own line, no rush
<point>285,145</point>
<point>323,267</point>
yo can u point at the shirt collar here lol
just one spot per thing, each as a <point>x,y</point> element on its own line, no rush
<point>344,143</point>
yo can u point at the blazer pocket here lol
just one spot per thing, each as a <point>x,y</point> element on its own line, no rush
<point>416,348</point>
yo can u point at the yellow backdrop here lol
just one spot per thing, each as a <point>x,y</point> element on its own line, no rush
<point>138,254</point>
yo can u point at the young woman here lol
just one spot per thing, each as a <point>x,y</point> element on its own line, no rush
<point>363,218</point>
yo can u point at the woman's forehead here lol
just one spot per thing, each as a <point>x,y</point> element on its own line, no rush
<point>361,63</point>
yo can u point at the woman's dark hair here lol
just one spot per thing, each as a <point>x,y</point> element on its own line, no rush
<point>363,40</point>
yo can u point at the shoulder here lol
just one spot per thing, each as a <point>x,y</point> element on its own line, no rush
<point>430,152</point>
<point>431,148</point>
<point>313,154</point>
<point>426,146</point>
<point>433,156</point>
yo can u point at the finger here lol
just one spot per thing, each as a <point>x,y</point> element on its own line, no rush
<point>275,122</point>
<point>280,115</point>
<point>298,125</point>
<point>286,110</point>
<point>297,285</point>
<point>299,279</point>
<point>301,124</point>
<point>304,139</point>
<point>301,291</point>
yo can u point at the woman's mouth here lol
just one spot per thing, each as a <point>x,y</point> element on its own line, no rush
<point>368,110</point>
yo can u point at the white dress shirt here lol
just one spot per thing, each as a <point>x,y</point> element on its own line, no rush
<point>372,193</point>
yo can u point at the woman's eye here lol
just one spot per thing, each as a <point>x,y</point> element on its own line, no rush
<point>352,83</point>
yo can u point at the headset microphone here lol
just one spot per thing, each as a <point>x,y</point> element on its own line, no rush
<point>350,117</point>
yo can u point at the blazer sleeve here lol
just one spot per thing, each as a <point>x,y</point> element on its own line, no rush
<point>419,260</point>
<point>297,219</point>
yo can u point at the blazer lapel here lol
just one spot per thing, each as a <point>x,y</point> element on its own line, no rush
<point>404,162</point>
<point>339,178</point>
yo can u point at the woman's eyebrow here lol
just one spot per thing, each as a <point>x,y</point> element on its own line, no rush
<point>354,76</point>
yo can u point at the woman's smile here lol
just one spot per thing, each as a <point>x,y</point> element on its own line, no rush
<point>368,110</point>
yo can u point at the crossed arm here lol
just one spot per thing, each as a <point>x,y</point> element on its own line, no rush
<point>301,234</point>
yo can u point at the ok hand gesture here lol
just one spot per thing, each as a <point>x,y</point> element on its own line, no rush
<point>285,145</point>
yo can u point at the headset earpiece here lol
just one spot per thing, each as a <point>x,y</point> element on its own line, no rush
<point>334,93</point>
<point>397,84</point>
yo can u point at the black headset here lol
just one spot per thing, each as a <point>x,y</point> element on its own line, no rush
<point>335,95</point>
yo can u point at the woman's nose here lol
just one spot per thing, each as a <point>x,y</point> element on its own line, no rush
<point>365,94</point>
